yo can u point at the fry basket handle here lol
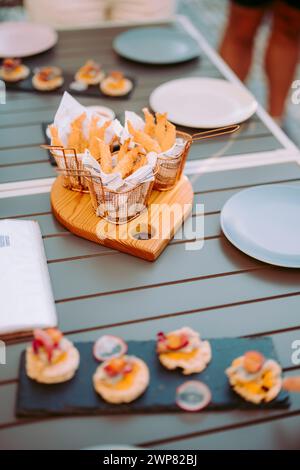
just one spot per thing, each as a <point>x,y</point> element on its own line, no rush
<point>215,132</point>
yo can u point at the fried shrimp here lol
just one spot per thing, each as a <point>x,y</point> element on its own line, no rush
<point>140,162</point>
<point>140,137</point>
<point>126,164</point>
<point>105,157</point>
<point>100,132</point>
<point>76,138</point>
<point>123,149</point>
<point>94,147</point>
<point>170,137</point>
<point>93,126</point>
<point>55,139</point>
<point>149,123</point>
<point>160,128</point>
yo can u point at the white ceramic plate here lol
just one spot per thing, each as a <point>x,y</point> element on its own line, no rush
<point>22,39</point>
<point>264,223</point>
<point>203,102</point>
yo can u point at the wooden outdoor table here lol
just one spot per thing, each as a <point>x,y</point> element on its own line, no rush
<point>216,289</point>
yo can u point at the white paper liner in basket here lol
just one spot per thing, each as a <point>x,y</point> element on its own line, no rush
<point>169,161</point>
<point>117,199</point>
<point>68,110</point>
<point>69,163</point>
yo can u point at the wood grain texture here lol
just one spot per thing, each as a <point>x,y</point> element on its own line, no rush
<point>165,214</point>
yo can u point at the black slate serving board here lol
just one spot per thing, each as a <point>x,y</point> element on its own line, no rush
<point>77,397</point>
<point>93,90</point>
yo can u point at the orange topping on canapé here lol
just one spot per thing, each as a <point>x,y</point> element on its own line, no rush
<point>171,342</point>
<point>175,342</point>
<point>116,366</point>
<point>117,80</point>
<point>54,334</point>
<point>11,64</point>
<point>253,361</point>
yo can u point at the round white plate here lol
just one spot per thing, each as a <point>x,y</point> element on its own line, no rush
<point>264,223</point>
<point>22,39</point>
<point>203,102</point>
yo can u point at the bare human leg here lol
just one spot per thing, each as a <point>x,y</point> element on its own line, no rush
<point>237,44</point>
<point>282,55</point>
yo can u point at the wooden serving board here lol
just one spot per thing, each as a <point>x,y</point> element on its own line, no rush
<point>164,216</point>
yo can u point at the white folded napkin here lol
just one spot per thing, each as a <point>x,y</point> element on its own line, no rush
<point>25,291</point>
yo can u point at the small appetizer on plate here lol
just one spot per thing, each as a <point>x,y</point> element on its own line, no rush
<point>47,78</point>
<point>183,349</point>
<point>122,379</point>
<point>115,84</point>
<point>51,358</point>
<point>12,70</point>
<point>90,73</point>
<point>254,377</point>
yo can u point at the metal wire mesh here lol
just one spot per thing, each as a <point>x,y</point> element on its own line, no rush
<point>118,207</point>
<point>69,165</point>
<point>170,168</point>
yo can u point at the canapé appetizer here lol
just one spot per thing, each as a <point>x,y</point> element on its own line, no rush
<point>51,358</point>
<point>90,73</point>
<point>183,349</point>
<point>115,84</point>
<point>12,70</point>
<point>47,78</point>
<point>122,379</point>
<point>254,377</point>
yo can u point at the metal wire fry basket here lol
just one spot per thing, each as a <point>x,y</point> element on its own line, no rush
<point>118,207</point>
<point>170,168</point>
<point>69,164</point>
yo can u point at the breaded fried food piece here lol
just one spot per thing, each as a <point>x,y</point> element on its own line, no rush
<point>76,138</point>
<point>100,132</point>
<point>95,131</point>
<point>140,137</point>
<point>94,147</point>
<point>55,139</point>
<point>170,137</point>
<point>140,162</point>
<point>78,122</point>
<point>123,149</point>
<point>126,164</point>
<point>105,157</point>
<point>160,128</point>
<point>149,123</point>
<point>93,127</point>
